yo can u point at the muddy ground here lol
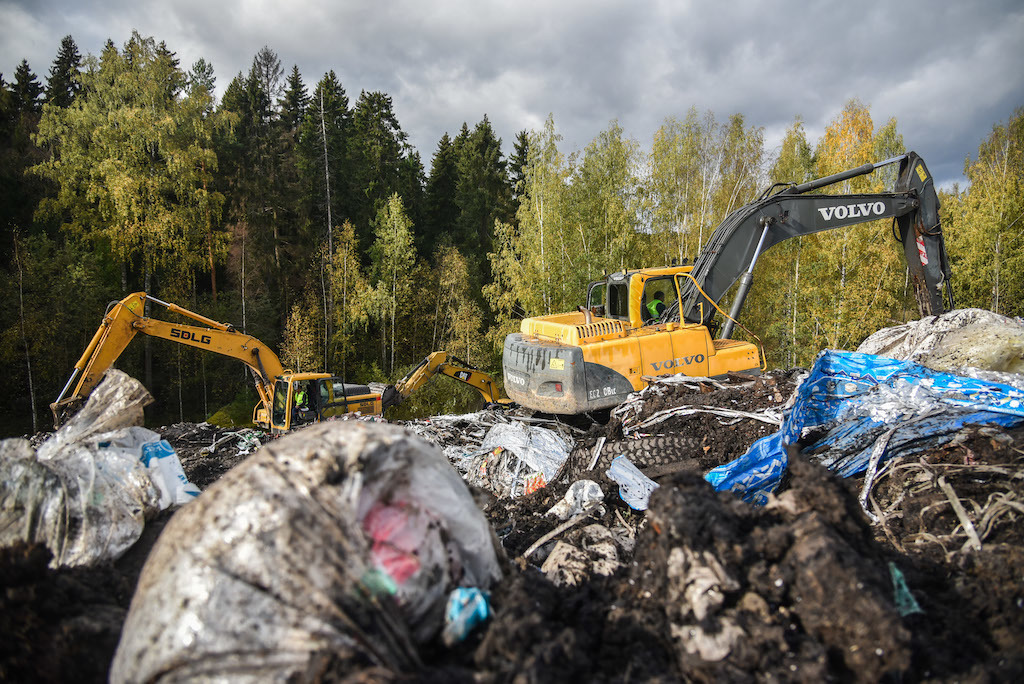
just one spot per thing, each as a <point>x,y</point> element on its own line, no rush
<point>701,587</point>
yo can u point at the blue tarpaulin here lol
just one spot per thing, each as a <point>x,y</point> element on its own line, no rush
<point>850,402</point>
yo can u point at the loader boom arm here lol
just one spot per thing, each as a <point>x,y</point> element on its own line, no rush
<point>126,319</point>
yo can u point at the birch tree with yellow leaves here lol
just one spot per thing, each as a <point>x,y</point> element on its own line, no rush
<point>855,275</point>
<point>984,224</point>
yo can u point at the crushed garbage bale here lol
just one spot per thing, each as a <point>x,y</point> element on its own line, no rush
<point>964,338</point>
<point>87,490</point>
<point>335,546</point>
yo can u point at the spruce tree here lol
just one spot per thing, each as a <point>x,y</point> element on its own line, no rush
<point>482,194</point>
<point>27,90</point>
<point>62,84</point>
<point>295,100</point>
<point>517,165</point>
<point>381,163</point>
<point>442,212</point>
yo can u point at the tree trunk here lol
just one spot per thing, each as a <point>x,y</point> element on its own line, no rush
<point>328,304</point>
<point>148,343</point>
<point>794,303</point>
<point>24,338</point>
<point>209,236</point>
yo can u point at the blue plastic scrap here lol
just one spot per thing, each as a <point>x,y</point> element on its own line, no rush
<point>467,607</point>
<point>852,401</point>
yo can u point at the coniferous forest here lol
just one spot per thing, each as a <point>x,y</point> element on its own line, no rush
<point>300,213</point>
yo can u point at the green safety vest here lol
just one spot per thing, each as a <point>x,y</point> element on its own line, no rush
<point>652,306</point>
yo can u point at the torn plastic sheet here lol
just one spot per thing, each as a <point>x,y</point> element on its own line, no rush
<point>541,449</point>
<point>339,543</point>
<point>84,494</point>
<point>853,400</point>
<point>634,487</point>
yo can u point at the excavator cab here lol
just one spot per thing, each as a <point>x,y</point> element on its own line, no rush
<point>658,294</point>
<point>303,398</point>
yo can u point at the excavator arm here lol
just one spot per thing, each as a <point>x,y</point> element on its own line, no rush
<point>126,319</point>
<point>735,246</point>
<point>441,362</point>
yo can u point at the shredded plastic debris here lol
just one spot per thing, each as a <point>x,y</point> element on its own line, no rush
<point>850,401</point>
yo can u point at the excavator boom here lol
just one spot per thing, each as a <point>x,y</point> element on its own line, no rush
<point>127,318</point>
<point>441,362</point>
<point>733,249</point>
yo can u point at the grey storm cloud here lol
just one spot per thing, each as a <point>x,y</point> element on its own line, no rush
<point>946,71</point>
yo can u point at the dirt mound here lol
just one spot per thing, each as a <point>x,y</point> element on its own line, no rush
<point>798,589</point>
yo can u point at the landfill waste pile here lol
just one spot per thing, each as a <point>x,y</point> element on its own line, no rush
<point>860,520</point>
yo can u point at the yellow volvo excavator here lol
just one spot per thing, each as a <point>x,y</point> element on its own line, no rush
<point>287,399</point>
<point>660,321</point>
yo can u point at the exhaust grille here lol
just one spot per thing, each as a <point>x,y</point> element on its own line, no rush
<point>599,329</point>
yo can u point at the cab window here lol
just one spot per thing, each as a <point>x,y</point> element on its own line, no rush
<point>618,301</point>
<point>659,294</point>
<point>596,297</point>
<point>280,402</point>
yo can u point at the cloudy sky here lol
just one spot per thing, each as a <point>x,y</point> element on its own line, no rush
<point>947,71</point>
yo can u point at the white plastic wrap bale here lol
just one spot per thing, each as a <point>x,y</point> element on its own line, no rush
<point>84,494</point>
<point>542,450</point>
<point>334,547</point>
<point>972,338</point>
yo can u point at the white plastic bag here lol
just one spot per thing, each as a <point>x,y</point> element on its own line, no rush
<point>84,494</point>
<point>165,470</point>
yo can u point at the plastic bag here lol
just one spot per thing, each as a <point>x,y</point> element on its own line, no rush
<point>84,494</point>
<point>854,400</point>
<point>331,548</point>
<point>165,470</point>
<point>634,487</point>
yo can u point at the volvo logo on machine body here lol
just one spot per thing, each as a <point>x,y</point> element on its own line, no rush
<point>849,211</point>
<point>676,363</point>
